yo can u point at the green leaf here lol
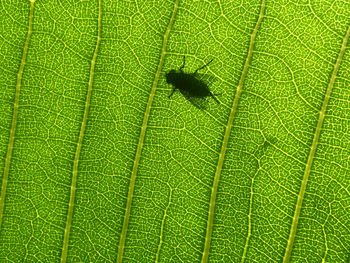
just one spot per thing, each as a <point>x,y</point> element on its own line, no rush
<point>99,165</point>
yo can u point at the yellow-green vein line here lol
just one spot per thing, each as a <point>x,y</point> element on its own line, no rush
<point>15,113</point>
<point>80,139</point>
<point>162,226</point>
<point>226,137</point>
<point>307,171</point>
<point>142,136</point>
<point>244,256</point>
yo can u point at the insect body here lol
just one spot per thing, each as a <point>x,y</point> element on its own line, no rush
<point>189,84</point>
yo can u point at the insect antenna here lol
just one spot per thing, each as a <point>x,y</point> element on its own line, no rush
<point>202,67</point>
<point>183,64</point>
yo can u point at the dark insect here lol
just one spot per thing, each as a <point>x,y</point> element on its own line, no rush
<point>189,84</point>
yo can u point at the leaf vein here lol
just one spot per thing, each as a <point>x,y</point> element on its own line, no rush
<point>80,140</point>
<point>142,136</point>
<point>15,113</point>
<point>308,166</point>
<point>227,135</point>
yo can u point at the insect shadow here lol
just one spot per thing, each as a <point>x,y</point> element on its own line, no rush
<point>191,85</point>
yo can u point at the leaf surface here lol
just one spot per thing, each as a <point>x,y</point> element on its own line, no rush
<point>99,165</point>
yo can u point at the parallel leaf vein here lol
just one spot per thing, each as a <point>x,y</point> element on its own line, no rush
<point>227,135</point>
<point>80,139</point>
<point>142,135</point>
<point>308,166</point>
<point>15,113</point>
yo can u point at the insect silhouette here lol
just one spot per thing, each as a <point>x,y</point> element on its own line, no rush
<point>190,84</point>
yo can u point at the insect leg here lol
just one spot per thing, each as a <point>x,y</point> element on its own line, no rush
<point>202,67</point>
<point>183,64</point>
<point>213,95</point>
<point>172,92</point>
<point>217,101</point>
